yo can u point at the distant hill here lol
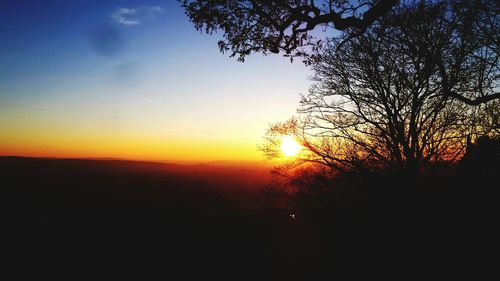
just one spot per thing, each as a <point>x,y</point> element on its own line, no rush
<point>239,184</point>
<point>81,215</point>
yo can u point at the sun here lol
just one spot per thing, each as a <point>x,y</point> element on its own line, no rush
<point>289,146</point>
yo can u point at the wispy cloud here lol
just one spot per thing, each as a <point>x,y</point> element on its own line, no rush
<point>135,16</point>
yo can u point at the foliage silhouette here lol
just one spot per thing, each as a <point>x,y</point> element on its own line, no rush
<point>252,26</point>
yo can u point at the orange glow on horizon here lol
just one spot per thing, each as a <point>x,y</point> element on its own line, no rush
<point>63,134</point>
<point>134,150</point>
<point>148,146</point>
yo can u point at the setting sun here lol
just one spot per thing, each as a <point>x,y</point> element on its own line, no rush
<point>290,146</point>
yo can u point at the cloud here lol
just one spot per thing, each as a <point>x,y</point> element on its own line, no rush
<point>134,16</point>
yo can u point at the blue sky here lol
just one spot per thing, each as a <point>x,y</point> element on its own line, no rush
<point>120,70</point>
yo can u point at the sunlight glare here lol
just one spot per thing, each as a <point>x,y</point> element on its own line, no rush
<point>289,146</point>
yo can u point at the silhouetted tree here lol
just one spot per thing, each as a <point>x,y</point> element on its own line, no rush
<point>398,96</point>
<point>272,26</point>
<point>468,58</point>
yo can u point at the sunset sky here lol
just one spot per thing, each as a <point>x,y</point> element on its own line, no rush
<point>134,80</point>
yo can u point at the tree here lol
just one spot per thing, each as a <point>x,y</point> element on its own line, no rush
<point>382,100</point>
<point>469,63</point>
<point>251,26</point>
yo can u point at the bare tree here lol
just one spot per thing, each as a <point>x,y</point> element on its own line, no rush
<point>468,63</point>
<point>382,99</point>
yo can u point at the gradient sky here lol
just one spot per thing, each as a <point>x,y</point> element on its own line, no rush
<point>132,79</point>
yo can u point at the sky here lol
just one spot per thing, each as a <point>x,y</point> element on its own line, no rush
<point>133,80</point>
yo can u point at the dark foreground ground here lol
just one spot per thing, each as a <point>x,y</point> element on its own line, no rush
<point>103,218</point>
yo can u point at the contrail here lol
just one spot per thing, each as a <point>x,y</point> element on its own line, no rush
<point>149,100</point>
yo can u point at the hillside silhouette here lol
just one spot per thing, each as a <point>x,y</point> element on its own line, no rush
<point>88,215</point>
<point>123,216</point>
